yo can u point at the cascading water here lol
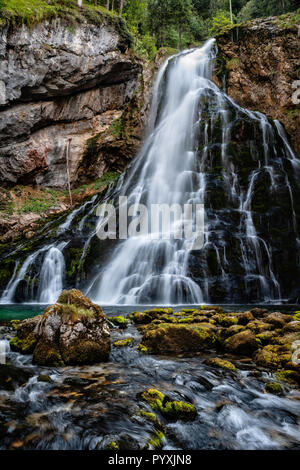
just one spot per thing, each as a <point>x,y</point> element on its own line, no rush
<point>50,278</point>
<point>201,148</point>
<point>52,274</point>
<point>174,167</point>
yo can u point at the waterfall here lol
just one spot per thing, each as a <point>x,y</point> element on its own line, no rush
<point>201,148</point>
<point>174,167</point>
<point>50,276</point>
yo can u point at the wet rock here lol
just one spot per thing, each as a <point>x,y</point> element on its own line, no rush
<point>169,338</point>
<point>72,331</point>
<point>292,327</point>
<point>272,356</point>
<point>221,363</point>
<point>259,312</point>
<point>25,340</point>
<point>170,409</point>
<point>267,337</point>
<point>277,319</point>
<point>290,376</point>
<point>118,321</point>
<point>225,320</point>
<point>258,326</point>
<point>44,378</point>
<point>274,387</point>
<point>12,377</point>
<point>243,343</point>
<point>244,318</point>
<point>123,342</point>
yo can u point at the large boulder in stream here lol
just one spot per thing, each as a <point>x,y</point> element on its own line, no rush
<point>73,331</point>
<point>167,338</point>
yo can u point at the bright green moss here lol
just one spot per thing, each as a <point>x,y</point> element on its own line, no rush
<point>119,321</point>
<point>156,440</point>
<point>113,445</point>
<point>171,410</point>
<point>123,342</point>
<point>142,349</point>
<point>149,416</point>
<point>23,346</point>
<point>222,363</point>
<point>274,387</point>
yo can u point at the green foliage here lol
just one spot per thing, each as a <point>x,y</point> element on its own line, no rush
<point>13,12</point>
<point>220,23</point>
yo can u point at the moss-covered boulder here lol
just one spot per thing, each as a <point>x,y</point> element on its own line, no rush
<point>274,387</point>
<point>122,343</point>
<point>25,340</point>
<point>243,343</point>
<point>72,331</point>
<point>225,320</point>
<point>258,326</point>
<point>277,319</point>
<point>221,364</point>
<point>119,321</point>
<point>171,410</point>
<point>292,327</point>
<point>175,338</point>
<point>245,317</point>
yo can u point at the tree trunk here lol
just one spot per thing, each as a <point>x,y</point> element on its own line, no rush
<point>107,4</point>
<point>68,171</point>
<point>231,15</point>
<point>121,7</point>
<point>79,3</point>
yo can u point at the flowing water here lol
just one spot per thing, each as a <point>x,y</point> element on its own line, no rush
<point>201,148</point>
<point>88,407</point>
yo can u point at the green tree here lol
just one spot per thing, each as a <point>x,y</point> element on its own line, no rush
<point>181,11</point>
<point>220,22</point>
<point>159,19</point>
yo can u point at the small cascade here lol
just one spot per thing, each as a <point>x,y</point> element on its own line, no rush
<point>49,277</point>
<point>52,275</point>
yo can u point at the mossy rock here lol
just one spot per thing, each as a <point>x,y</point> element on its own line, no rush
<point>119,321</point>
<point>151,417</point>
<point>44,378</point>
<point>243,343</point>
<point>122,343</point>
<point>23,346</point>
<point>170,409</point>
<point>140,318</point>
<point>221,363</point>
<point>174,338</point>
<point>289,376</point>
<point>225,320</point>
<point>274,387</point>
<point>142,349</point>
<point>296,316</point>
<point>156,440</point>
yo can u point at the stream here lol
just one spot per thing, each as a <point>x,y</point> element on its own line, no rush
<point>86,408</point>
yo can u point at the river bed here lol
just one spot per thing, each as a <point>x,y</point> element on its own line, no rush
<point>90,407</point>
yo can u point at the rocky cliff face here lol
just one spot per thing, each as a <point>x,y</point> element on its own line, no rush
<point>261,64</point>
<point>60,85</point>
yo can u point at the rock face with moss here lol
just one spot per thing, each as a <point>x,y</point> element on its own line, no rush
<point>261,63</point>
<point>62,81</point>
<point>72,331</point>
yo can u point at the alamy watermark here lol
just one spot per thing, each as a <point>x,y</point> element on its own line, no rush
<point>159,221</point>
<point>296,94</point>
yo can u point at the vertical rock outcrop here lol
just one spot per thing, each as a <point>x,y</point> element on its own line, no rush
<point>60,84</point>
